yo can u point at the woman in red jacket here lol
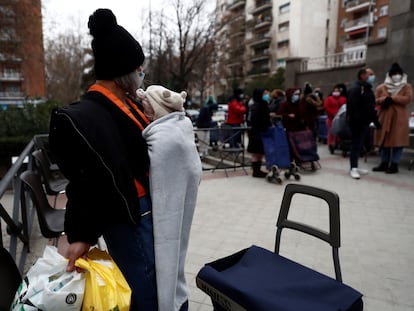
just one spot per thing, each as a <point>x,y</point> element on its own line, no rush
<point>235,114</point>
<point>332,104</point>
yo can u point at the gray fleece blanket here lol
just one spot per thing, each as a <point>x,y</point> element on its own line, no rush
<point>175,174</point>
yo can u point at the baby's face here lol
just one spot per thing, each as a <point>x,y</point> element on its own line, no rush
<point>148,111</point>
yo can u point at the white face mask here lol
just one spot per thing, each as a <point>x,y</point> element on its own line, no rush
<point>396,78</point>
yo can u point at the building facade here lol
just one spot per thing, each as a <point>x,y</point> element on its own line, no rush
<point>22,70</point>
<point>359,23</point>
<point>255,37</point>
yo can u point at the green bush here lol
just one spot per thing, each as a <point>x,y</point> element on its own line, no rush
<point>18,125</point>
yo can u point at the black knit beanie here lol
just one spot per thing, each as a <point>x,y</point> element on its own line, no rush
<point>116,52</point>
<point>395,68</point>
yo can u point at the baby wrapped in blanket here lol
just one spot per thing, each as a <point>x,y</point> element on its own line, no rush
<point>175,174</point>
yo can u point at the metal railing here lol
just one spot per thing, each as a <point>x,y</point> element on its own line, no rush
<point>334,60</point>
<point>19,221</point>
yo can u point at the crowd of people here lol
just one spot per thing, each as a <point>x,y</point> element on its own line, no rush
<point>373,117</point>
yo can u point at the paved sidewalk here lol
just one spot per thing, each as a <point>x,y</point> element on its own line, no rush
<point>377,219</point>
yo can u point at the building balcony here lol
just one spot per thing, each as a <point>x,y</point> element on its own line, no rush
<point>359,24</point>
<point>262,6</point>
<point>10,77</point>
<point>263,23</point>
<point>6,96</point>
<point>351,58</point>
<point>258,71</point>
<point>354,44</point>
<point>10,58</point>
<point>260,55</point>
<point>260,41</point>
<point>236,5</point>
<point>358,5</point>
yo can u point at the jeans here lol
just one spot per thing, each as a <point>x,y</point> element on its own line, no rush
<point>132,248</point>
<point>236,140</point>
<point>392,154</point>
<point>358,136</point>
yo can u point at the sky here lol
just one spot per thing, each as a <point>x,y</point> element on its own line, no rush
<point>61,15</point>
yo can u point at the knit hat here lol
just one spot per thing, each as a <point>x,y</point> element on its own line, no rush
<point>395,68</point>
<point>164,101</point>
<point>237,92</point>
<point>116,52</point>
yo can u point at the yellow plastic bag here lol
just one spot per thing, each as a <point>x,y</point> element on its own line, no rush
<point>105,287</point>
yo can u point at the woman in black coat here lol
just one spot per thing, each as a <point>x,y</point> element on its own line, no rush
<point>260,122</point>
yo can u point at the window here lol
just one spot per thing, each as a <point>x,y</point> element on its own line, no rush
<point>284,27</point>
<point>283,44</point>
<point>343,22</point>
<point>383,10</point>
<point>284,8</point>
<point>281,62</point>
<point>382,32</point>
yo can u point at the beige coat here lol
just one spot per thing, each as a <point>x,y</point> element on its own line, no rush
<point>394,120</point>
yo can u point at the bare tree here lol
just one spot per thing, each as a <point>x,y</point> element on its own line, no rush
<point>184,45</point>
<point>65,60</point>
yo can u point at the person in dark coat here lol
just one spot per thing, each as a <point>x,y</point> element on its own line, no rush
<point>293,111</point>
<point>260,122</point>
<point>204,121</point>
<point>360,112</point>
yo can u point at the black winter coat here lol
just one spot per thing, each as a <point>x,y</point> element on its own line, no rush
<point>260,122</point>
<point>101,151</point>
<point>360,109</point>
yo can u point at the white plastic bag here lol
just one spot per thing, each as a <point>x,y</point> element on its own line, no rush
<point>47,286</point>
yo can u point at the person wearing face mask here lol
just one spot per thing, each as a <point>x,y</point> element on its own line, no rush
<point>331,105</point>
<point>98,145</point>
<point>392,97</point>
<point>260,122</point>
<point>360,113</point>
<point>293,111</point>
<point>235,114</point>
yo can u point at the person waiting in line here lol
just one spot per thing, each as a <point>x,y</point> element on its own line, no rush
<point>393,97</point>
<point>204,122</point>
<point>175,174</point>
<point>260,122</point>
<point>332,104</point>
<point>314,108</point>
<point>360,113</point>
<point>235,115</point>
<point>98,145</point>
<point>277,97</point>
<point>293,111</point>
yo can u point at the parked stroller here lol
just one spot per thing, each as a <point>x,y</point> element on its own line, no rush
<point>277,154</point>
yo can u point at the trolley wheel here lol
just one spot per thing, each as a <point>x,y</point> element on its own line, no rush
<point>274,179</point>
<point>287,175</point>
<point>297,176</point>
<point>313,167</point>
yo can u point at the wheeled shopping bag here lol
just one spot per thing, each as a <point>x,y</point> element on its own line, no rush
<point>304,149</point>
<point>256,279</point>
<point>277,154</point>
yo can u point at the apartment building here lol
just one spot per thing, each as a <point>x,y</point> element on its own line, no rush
<point>359,23</point>
<point>22,73</point>
<point>255,37</point>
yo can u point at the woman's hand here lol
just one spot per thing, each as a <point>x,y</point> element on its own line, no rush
<point>75,251</point>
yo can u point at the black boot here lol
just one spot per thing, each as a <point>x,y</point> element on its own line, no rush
<point>256,170</point>
<point>381,168</point>
<point>393,169</point>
